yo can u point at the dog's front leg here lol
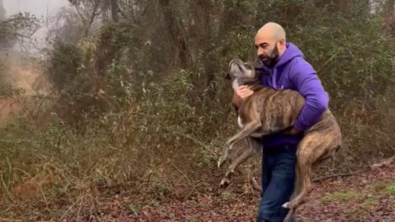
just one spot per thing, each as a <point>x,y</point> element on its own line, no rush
<point>248,152</point>
<point>224,157</point>
<point>243,133</point>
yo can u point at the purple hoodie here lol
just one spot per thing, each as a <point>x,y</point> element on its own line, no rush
<point>293,72</point>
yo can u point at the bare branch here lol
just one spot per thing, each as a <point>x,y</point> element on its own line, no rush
<point>93,16</point>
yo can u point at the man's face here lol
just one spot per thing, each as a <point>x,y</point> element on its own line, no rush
<point>267,53</point>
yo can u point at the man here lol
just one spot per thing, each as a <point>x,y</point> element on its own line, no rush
<point>288,70</point>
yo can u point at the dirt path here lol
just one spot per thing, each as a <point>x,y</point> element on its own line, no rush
<point>24,76</point>
<point>365,197</point>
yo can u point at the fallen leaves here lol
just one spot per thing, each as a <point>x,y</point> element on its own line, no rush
<point>368,196</point>
<point>365,197</point>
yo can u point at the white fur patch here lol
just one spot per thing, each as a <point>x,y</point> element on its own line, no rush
<point>239,122</point>
<point>235,85</point>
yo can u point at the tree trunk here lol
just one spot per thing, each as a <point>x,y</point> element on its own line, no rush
<point>114,10</point>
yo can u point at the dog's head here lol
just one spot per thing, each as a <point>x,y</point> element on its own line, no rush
<point>243,73</point>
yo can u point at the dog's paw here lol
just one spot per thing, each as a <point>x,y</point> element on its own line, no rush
<point>229,173</point>
<point>222,160</point>
<point>286,205</point>
<point>231,146</point>
<point>224,183</point>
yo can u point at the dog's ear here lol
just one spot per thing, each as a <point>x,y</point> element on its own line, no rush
<point>248,65</point>
<point>256,64</point>
<point>258,68</point>
<point>227,76</point>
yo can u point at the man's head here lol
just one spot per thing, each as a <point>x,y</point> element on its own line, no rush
<point>271,43</point>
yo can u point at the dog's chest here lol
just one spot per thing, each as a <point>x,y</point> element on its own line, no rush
<point>235,85</point>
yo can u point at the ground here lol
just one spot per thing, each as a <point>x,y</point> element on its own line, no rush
<point>368,196</point>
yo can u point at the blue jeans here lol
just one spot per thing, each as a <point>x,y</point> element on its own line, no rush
<point>278,176</point>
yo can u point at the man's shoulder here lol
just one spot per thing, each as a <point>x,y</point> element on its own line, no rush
<point>300,65</point>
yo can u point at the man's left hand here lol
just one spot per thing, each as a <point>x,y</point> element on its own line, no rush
<point>292,131</point>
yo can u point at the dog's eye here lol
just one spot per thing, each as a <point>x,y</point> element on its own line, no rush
<point>240,68</point>
<point>248,65</point>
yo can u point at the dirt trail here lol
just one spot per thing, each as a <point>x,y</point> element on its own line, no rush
<point>28,78</point>
<point>24,76</point>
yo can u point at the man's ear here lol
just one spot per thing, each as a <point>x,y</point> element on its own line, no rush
<point>281,43</point>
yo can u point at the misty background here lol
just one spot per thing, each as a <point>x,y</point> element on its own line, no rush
<point>47,10</point>
<point>42,9</point>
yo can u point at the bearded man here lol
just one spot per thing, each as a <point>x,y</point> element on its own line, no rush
<point>288,70</point>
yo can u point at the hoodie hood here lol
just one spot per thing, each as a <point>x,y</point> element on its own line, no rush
<point>282,68</point>
<point>291,52</point>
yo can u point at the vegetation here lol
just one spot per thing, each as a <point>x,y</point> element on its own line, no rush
<point>139,104</point>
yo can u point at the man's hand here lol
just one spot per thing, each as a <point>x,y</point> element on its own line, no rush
<point>240,94</point>
<point>244,92</point>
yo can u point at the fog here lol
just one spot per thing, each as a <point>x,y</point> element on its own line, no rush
<point>40,8</point>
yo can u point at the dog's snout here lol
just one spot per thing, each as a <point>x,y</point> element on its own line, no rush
<point>235,62</point>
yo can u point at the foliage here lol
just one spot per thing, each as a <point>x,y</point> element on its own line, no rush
<point>18,28</point>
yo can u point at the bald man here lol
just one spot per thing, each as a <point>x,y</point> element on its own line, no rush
<point>288,70</point>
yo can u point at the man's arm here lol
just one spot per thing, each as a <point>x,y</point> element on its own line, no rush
<point>309,85</point>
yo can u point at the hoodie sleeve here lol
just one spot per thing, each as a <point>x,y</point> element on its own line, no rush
<point>306,81</point>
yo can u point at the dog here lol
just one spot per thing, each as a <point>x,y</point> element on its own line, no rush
<point>268,111</point>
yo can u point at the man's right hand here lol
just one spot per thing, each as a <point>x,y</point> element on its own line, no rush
<point>240,94</point>
<point>244,92</point>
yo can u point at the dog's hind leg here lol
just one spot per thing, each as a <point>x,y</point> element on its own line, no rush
<point>305,188</point>
<point>307,152</point>
<point>311,153</point>
<point>297,190</point>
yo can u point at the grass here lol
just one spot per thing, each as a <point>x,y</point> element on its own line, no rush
<point>353,200</point>
<point>382,187</point>
<point>342,195</point>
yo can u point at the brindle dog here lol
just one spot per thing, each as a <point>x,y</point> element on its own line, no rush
<point>270,111</point>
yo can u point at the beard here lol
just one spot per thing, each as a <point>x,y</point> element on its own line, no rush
<point>270,60</point>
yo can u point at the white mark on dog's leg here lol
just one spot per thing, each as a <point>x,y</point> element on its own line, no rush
<point>285,205</point>
<point>239,122</point>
